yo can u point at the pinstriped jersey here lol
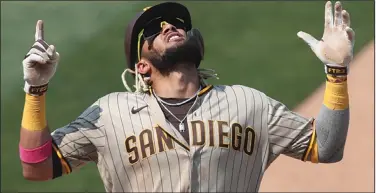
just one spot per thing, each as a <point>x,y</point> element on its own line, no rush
<point>235,133</point>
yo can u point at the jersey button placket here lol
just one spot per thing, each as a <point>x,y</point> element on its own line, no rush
<point>195,171</point>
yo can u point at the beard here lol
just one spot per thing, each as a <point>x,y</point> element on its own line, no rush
<point>187,53</point>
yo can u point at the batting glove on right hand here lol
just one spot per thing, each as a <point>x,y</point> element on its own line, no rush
<point>335,49</point>
<point>39,64</point>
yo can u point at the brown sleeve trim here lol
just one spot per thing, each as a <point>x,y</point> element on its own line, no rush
<point>63,161</point>
<point>311,142</point>
<point>56,165</point>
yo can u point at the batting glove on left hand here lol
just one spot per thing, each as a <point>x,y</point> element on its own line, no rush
<point>335,49</point>
<point>39,64</point>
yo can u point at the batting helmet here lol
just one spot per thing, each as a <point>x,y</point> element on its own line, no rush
<point>136,32</point>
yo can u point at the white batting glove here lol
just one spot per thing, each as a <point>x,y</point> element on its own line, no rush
<point>335,49</point>
<point>39,64</point>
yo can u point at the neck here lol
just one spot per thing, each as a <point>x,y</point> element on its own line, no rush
<point>183,83</point>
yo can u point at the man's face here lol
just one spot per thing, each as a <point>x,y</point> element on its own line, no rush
<point>169,46</point>
<point>170,37</point>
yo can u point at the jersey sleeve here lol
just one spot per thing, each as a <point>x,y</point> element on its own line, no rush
<point>77,142</point>
<point>289,133</point>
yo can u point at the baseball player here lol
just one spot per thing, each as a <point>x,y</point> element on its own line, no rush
<point>174,132</point>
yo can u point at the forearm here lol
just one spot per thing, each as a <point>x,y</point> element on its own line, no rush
<point>331,125</point>
<point>37,152</point>
<point>34,134</point>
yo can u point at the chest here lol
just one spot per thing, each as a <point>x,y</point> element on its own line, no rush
<point>138,136</point>
<point>139,128</point>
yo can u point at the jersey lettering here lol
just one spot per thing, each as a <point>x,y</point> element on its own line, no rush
<point>236,136</point>
<point>131,146</point>
<point>223,136</point>
<point>144,144</point>
<point>198,133</point>
<point>217,132</point>
<point>249,140</point>
<point>235,133</point>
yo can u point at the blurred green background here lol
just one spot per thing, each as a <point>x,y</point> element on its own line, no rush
<point>249,43</point>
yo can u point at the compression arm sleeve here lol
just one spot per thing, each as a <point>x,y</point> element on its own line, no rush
<point>332,122</point>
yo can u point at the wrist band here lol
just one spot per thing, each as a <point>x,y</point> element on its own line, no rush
<point>35,90</point>
<point>36,155</point>
<point>336,95</point>
<point>34,113</point>
<point>336,71</point>
<point>336,79</point>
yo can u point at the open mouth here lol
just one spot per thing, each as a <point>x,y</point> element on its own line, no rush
<point>172,37</point>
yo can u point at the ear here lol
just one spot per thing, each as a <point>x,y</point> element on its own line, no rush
<point>143,67</point>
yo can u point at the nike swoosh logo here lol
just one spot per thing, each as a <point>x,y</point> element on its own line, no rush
<point>134,111</point>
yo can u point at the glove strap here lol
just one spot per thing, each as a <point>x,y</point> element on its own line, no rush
<point>336,70</point>
<point>35,90</point>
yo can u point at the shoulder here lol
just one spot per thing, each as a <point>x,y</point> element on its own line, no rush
<point>238,89</point>
<point>235,93</point>
<point>116,97</point>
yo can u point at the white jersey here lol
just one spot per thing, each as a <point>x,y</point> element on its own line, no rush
<point>235,133</point>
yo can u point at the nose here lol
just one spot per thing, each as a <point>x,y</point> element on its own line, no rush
<point>166,27</point>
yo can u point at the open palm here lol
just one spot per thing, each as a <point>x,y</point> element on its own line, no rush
<point>336,46</point>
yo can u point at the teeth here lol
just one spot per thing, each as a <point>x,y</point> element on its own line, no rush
<point>173,38</point>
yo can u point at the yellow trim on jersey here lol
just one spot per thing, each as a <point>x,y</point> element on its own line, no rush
<point>34,113</point>
<point>336,96</point>
<point>205,90</point>
<point>312,141</point>
<point>314,152</point>
<point>62,160</point>
<point>312,149</point>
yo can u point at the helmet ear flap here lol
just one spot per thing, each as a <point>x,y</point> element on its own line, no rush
<point>196,35</point>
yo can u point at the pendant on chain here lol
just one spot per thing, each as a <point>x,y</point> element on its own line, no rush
<point>181,127</point>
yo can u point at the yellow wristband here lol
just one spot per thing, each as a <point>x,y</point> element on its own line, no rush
<point>336,96</point>
<point>34,114</point>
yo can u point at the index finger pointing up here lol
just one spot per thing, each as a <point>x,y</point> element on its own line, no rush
<point>39,33</point>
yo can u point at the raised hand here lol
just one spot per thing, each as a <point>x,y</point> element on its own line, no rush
<point>39,64</point>
<point>335,49</point>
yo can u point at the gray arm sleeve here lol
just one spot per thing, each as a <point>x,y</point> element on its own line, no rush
<point>331,133</point>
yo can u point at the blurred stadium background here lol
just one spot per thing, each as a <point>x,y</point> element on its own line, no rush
<point>249,43</point>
